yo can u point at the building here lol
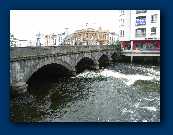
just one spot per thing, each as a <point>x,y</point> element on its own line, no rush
<point>113,37</point>
<point>69,40</point>
<point>60,38</point>
<point>54,39</point>
<point>88,36</point>
<point>15,42</point>
<point>139,29</point>
<point>22,43</point>
<point>50,40</point>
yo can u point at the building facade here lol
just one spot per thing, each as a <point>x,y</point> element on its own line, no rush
<point>139,29</point>
<point>88,36</point>
<point>15,42</point>
<point>55,39</point>
<point>50,39</point>
<point>113,37</point>
<point>60,38</point>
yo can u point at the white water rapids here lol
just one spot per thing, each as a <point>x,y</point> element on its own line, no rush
<point>129,79</point>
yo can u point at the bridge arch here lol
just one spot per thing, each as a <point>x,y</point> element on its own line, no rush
<point>103,60</point>
<point>46,64</point>
<point>115,57</point>
<point>86,63</point>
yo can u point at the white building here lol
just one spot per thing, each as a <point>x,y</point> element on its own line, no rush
<point>50,39</point>
<point>15,42</point>
<point>113,37</point>
<point>22,43</point>
<point>139,29</point>
<point>60,38</point>
<point>54,39</point>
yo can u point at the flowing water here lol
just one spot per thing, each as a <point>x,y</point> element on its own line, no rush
<point>119,93</point>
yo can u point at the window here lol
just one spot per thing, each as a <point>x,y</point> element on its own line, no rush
<point>121,33</point>
<point>122,12</point>
<point>153,30</point>
<point>141,20</point>
<point>154,18</point>
<point>121,22</point>
<point>141,32</point>
<point>140,11</point>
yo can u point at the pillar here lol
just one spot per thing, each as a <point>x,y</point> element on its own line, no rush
<point>131,60</point>
<point>19,88</point>
<point>158,60</point>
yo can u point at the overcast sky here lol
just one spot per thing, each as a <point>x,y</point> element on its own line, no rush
<point>25,24</point>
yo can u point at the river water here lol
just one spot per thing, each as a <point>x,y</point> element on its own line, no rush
<point>118,93</point>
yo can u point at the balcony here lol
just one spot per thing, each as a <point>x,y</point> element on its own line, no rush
<point>140,35</point>
<point>140,11</point>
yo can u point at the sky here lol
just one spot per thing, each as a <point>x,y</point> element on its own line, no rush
<point>25,24</point>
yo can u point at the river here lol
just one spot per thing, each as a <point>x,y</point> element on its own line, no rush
<point>118,93</point>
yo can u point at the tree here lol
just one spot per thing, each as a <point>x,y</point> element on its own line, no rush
<point>117,45</point>
<point>12,40</point>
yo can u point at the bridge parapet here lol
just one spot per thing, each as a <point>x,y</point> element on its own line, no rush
<point>20,52</point>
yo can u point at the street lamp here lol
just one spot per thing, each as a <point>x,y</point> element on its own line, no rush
<point>66,30</point>
<point>38,36</point>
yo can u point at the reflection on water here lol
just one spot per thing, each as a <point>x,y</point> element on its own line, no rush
<point>120,93</point>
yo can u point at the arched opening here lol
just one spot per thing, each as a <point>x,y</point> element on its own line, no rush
<point>103,61</point>
<point>116,57</point>
<point>41,80</point>
<point>85,63</point>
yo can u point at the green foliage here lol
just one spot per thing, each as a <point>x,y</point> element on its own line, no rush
<point>117,45</point>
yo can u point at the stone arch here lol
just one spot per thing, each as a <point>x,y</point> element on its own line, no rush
<point>85,55</point>
<point>104,60</point>
<point>38,64</point>
<point>86,63</point>
<point>115,56</point>
<point>100,54</point>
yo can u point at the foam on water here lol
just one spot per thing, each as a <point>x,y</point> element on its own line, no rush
<point>129,79</point>
<point>125,110</point>
<point>148,99</point>
<point>149,108</point>
<point>88,74</point>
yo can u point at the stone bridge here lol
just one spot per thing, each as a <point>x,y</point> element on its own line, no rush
<point>26,62</point>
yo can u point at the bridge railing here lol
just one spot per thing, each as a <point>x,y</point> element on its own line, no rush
<point>21,52</point>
